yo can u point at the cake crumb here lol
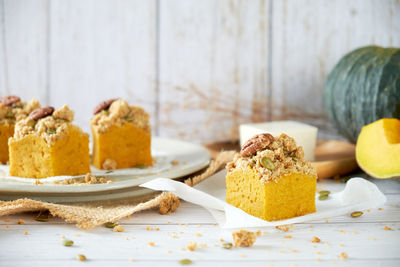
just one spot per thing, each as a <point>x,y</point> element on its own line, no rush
<point>169,204</point>
<point>380,209</point>
<point>284,228</point>
<point>151,244</point>
<point>221,239</point>
<point>131,259</point>
<point>157,229</point>
<point>387,228</point>
<point>25,233</point>
<point>341,245</point>
<point>20,221</point>
<point>202,245</point>
<point>243,238</point>
<point>372,238</point>
<point>288,236</point>
<point>258,233</point>
<point>197,234</point>
<point>109,164</point>
<point>315,239</point>
<point>149,228</point>
<point>191,246</point>
<point>118,228</point>
<point>343,255</point>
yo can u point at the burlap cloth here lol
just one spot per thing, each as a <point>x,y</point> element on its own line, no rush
<point>91,214</point>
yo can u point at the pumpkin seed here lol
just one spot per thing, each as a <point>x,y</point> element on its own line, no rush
<point>323,197</point>
<point>128,118</point>
<point>32,123</point>
<point>324,192</point>
<point>10,115</point>
<point>227,245</point>
<point>67,242</point>
<point>140,166</point>
<point>105,112</point>
<point>267,163</point>
<point>356,214</point>
<point>81,257</point>
<point>42,216</point>
<point>185,262</point>
<point>51,131</point>
<point>110,224</point>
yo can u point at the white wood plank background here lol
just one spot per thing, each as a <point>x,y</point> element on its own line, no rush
<point>363,239</point>
<point>200,68</point>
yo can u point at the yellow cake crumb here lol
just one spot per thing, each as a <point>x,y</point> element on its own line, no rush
<point>243,238</point>
<point>25,233</point>
<point>343,255</point>
<point>191,246</point>
<point>20,221</point>
<point>288,236</point>
<point>169,204</point>
<point>315,239</point>
<point>118,228</point>
<point>151,244</point>
<point>387,228</point>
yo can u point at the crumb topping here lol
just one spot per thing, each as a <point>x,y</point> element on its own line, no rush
<point>12,113</point>
<point>50,128</point>
<point>109,164</point>
<point>244,238</point>
<point>169,204</point>
<point>120,113</point>
<point>280,157</point>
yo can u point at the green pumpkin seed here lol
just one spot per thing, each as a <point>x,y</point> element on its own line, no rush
<point>323,197</point>
<point>42,216</point>
<point>110,224</point>
<point>227,245</point>
<point>105,112</point>
<point>32,123</point>
<point>51,131</point>
<point>67,242</point>
<point>81,257</point>
<point>356,214</point>
<point>267,163</point>
<point>324,192</point>
<point>185,262</point>
<point>140,166</point>
<point>128,118</point>
<point>10,115</point>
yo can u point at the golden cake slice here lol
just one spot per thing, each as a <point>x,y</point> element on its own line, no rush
<point>121,136</point>
<point>12,109</point>
<point>271,180</point>
<point>48,144</point>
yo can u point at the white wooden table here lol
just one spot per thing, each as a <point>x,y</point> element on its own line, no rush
<point>363,239</point>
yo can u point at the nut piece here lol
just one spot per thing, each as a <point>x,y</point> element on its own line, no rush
<point>244,238</point>
<point>191,246</point>
<point>9,100</point>
<point>103,105</point>
<point>256,143</point>
<point>41,113</point>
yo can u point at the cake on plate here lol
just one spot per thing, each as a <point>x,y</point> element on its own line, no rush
<point>46,143</point>
<point>270,179</point>
<point>121,136</point>
<point>12,109</point>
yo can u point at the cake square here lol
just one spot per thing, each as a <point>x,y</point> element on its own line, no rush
<point>121,136</point>
<point>48,144</point>
<point>12,109</point>
<point>271,180</point>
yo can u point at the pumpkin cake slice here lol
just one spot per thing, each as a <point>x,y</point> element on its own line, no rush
<point>12,109</point>
<point>270,179</point>
<point>48,144</point>
<point>121,135</point>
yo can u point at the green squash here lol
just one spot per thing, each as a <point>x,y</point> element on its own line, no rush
<point>363,87</point>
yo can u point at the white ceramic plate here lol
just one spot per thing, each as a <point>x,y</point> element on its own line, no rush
<point>187,157</point>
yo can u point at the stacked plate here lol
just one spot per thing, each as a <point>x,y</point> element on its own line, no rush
<point>173,159</point>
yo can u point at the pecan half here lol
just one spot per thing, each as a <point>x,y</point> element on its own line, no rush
<point>256,143</point>
<point>9,100</point>
<point>103,105</point>
<point>41,113</point>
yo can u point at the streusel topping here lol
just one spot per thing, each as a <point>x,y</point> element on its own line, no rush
<point>51,128</point>
<point>10,114</point>
<point>120,113</point>
<point>280,157</point>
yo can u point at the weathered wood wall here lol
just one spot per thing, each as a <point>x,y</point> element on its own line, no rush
<point>200,68</point>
